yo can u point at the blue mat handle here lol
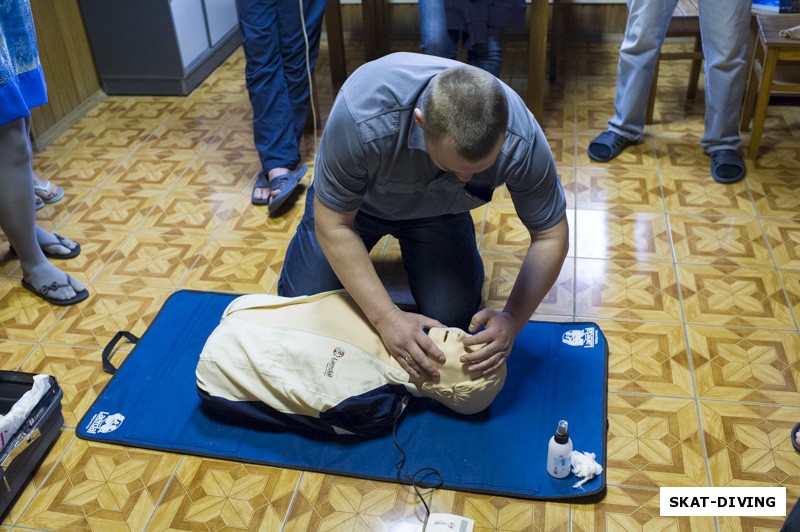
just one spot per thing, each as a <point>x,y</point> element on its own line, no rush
<point>108,367</point>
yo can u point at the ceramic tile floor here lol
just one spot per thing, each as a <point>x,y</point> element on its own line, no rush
<point>695,284</point>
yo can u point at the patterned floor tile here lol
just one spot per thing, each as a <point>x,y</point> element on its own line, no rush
<point>13,354</point>
<point>220,171</point>
<point>746,364</point>
<point>158,261</point>
<point>779,155</point>
<point>182,134</point>
<point>503,513</point>
<point>791,283</point>
<point>618,190</point>
<point>252,222</point>
<point>114,209</point>
<point>79,374</point>
<point>242,267</point>
<point>100,487</point>
<point>54,215</point>
<point>739,297</point>
<point>97,249</point>
<point>592,119</point>
<point>783,237</point>
<point>86,167</point>
<point>329,502</point>
<point>647,358</point>
<point>109,309</point>
<point>607,235</point>
<point>627,290</point>
<point>119,133</point>
<point>189,213</point>
<point>501,272</point>
<point>682,153</point>
<point>218,495</point>
<point>626,509</point>
<point>504,232</point>
<point>697,193</point>
<point>654,441</point>
<point>719,241</point>
<point>563,148</point>
<point>777,197</point>
<point>24,316</point>
<point>155,169</point>
<point>749,445</point>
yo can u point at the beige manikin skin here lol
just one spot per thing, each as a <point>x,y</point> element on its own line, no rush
<point>335,314</point>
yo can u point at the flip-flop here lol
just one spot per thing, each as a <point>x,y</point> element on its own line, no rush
<point>45,189</point>
<point>42,292</point>
<point>261,182</point>
<point>606,146</point>
<point>727,166</point>
<point>286,183</point>
<point>39,201</point>
<point>74,252</point>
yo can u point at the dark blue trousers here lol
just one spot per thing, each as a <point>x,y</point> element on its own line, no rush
<point>276,73</point>
<point>440,255</point>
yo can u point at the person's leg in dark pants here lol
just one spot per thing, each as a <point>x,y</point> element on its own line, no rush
<point>445,271</point>
<point>306,270</point>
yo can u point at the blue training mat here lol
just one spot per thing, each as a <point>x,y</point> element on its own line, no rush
<point>556,371</point>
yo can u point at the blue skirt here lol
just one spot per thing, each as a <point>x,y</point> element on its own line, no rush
<point>22,85</point>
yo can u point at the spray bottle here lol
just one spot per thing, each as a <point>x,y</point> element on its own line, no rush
<point>559,452</point>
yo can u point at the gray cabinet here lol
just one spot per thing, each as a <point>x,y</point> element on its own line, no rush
<point>159,47</point>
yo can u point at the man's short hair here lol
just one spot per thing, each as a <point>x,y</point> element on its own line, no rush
<point>468,105</point>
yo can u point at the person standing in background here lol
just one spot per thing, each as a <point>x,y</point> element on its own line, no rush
<point>478,24</point>
<point>22,87</point>
<point>724,28</point>
<point>281,45</point>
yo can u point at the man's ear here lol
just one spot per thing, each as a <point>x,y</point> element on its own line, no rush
<point>419,118</point>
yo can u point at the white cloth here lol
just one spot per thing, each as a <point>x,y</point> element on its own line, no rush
<point>584,467</point>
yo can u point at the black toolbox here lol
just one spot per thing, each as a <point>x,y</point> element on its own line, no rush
<point>27,447</point>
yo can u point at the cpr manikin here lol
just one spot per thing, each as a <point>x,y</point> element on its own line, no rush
<point>316,363</point>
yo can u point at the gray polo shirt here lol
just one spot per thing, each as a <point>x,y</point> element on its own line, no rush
<point>372,154</point>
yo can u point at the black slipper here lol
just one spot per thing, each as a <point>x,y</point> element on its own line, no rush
<point>42,292</point>
<point>606,146</point>
<point>74,252</point>
<point>727,166</point>
<point>286,183</point>
<point>261,182</point>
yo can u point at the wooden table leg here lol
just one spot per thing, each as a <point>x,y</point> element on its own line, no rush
<point>537,57</point>
<point>336,53</point>
<point>376,40</point>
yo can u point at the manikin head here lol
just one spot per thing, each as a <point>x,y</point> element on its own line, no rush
<point>456,388</point>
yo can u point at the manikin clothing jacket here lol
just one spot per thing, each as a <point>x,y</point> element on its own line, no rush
<point>372,154</point>
<point>270,362</point>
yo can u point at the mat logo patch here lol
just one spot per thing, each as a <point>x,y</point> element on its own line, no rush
<point>580,337</point>
<point>103,423</point>
<point>338,353</point>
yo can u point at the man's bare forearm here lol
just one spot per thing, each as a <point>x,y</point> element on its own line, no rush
<point>539,271</point>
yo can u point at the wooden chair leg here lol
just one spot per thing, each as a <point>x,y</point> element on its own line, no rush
<point>336,54</point>
<point>751,89</point>
<point>651,97</point>
<point>762,101</point>
<point>555,36</point>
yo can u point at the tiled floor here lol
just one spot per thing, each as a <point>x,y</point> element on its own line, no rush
<point>695,284</point>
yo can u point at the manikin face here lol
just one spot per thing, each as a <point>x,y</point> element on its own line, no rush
<point>451,342</point>
<point>456,388</point>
